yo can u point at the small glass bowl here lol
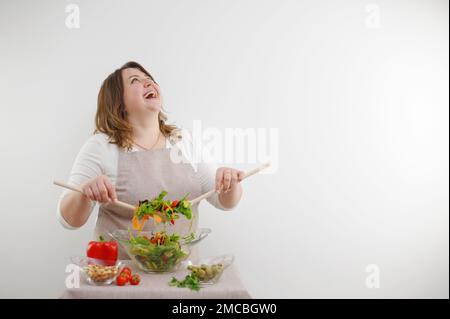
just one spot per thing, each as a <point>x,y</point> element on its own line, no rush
<point>208,270</point>
<point>96,271</point>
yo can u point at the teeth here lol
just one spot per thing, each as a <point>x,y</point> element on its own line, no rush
<point>150,95</point>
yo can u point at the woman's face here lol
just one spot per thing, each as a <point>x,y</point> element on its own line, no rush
<point>140,93</point>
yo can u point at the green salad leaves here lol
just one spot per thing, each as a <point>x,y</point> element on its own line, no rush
<point>160,252</point>
<point>162,211</point>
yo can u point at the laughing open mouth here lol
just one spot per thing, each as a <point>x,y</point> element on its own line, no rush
<point>150,95</point>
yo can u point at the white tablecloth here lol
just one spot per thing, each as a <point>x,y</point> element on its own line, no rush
<point>155,286</point>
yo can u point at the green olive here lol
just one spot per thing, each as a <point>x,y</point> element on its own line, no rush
<point>206,272</point>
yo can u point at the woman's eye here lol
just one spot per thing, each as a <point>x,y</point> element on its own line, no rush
<point>132,81</point>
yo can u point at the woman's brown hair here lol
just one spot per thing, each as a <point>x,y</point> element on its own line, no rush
<point>111,119</point>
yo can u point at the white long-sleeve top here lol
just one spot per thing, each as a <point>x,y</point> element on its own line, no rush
<point>97,157</point>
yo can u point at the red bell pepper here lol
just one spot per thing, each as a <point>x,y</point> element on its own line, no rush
<point>106,251</point>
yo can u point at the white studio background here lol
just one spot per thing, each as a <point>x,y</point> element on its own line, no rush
<point>357,89</point>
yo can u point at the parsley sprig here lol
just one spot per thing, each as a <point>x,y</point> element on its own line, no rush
<point>190,281</point>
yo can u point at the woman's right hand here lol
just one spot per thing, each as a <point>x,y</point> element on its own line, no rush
<point>100,189</point>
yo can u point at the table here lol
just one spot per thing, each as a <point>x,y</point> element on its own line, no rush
<point>155,286</point>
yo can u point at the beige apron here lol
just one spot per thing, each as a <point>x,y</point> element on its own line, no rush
<point>143,175</point>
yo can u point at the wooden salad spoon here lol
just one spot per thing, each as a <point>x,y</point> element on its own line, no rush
<point>193,202</point>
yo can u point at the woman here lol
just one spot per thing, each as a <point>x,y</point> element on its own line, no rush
<point>128,159</point>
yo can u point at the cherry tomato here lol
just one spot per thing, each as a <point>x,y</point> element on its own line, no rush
<point>135,280</point>
<point>121,280</point>
<point>126,270</point>
<point>126,276</point>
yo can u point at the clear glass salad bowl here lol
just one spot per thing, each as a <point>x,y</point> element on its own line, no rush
<point>208,270</point>
<point>96,272</point>
<point>158,252</point>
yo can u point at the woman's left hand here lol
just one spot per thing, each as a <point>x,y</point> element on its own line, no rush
<point>227,178</point>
